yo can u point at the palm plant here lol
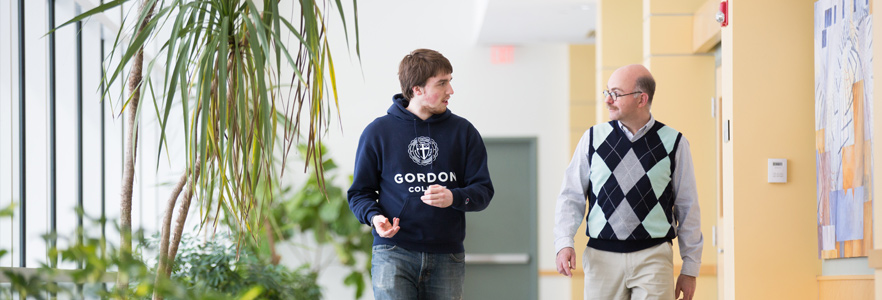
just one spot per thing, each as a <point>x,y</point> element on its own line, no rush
<point>223,67</point>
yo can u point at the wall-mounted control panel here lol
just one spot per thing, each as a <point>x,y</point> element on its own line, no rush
<point>777,170</point>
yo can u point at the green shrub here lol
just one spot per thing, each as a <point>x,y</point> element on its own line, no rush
<point>204,270</point>
<point>319,209</point>
<point>215,265</point>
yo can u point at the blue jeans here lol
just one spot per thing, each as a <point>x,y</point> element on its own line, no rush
<point>398,273</point>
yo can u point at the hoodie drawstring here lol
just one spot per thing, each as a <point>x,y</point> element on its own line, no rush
<point>415,133</point>
<point>404,206</point>
<point>431,164</point>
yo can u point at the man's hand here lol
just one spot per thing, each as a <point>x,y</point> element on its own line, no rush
<point>566,261</point>
<point>685,284</point>
<point>437,196</point>
<point>384,229</point>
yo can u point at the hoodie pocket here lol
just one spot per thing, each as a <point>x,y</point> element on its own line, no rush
<point>424,223</point>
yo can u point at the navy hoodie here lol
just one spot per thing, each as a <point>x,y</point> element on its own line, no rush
<point>399,156</point>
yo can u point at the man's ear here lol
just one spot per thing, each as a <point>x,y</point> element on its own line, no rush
<point>417,90</point>
<point>644,100</point>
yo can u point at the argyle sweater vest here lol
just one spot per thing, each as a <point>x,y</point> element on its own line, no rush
<point>630,194</point>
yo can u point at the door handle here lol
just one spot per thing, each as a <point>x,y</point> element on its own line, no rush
<point>497,258</point>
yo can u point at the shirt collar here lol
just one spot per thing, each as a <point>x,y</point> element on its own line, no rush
<point>639,132</point>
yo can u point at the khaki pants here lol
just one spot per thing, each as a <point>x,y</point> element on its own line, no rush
<point>645,274</point>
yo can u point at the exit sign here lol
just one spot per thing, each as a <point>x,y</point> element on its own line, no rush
<point>501,55</point>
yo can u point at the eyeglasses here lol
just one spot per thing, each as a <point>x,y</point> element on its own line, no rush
<point>615,96</point>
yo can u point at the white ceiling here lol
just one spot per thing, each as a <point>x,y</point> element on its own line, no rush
<point>522,22</point>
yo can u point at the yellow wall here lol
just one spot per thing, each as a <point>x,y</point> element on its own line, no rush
<point>619,42</point>
<point>770,229</point>
<point>583,91</point>
<point>582,116</point>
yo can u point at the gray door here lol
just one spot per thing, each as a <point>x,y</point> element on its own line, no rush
<point>500,242</point>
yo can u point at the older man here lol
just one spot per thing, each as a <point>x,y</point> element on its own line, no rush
<point>637,176</point>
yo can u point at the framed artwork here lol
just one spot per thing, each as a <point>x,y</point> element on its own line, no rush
<point>843,106</point>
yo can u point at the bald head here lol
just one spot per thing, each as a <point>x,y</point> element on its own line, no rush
<point>637,76</point>
<point>634,70</point>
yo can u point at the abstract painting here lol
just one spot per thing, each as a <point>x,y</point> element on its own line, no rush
<point>843,145</point>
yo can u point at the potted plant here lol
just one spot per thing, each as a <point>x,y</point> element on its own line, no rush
<point>223,67</point>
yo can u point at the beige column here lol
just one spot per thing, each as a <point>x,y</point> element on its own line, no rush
<point>618,43</point>
<point>583,91</point>
<point>684,100</point>
<point>583,96</point>
<point>770,230</point>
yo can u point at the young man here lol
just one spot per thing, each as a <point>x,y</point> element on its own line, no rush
<point>638,178</point>
<point>418,169</point>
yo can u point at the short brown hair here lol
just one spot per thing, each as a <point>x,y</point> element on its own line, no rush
<point>417,67</point>
<point>646,84</point>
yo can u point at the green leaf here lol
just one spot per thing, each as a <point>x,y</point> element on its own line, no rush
<point>137,43</point>
<point>185,95</point>
<point>333,77</point>
<point>8,211</point>
<point>343,19</point>
<point>357,43</point>
<point>277,28</point>
<point>253,293</point>
<point>297,73</point>
<point>223,50</point>
<point>97,10</point>
<point>356,279</point>
<point>172,42</point>
<point>328,212</point>
<point>259,28</point>
<point>171,88</point>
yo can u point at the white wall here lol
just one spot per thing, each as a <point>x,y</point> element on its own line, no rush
<point>527,98</point>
